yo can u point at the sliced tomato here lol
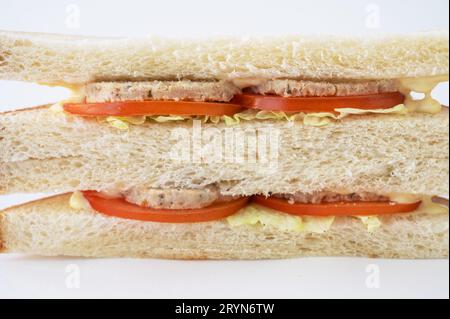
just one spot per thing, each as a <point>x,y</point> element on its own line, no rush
<point>318,104</point>
<point>336,209</point>
<point>133,108</point>
<point>118,207</point>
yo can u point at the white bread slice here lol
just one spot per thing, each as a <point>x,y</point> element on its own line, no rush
<point>59,59</point>
<point>51,227</point>
<point>45,151</point>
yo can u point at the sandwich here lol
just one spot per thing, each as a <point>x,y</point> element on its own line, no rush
<point>227,148</point>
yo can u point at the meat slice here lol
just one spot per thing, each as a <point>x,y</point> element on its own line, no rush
<point>223,91</point>
<point>179,198</point>
<point>331,197</point>
<point>293,88</point>
<point>174,198</point>
<point>185,90</point>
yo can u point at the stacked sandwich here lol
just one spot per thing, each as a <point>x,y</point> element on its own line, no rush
<point>228,148</point>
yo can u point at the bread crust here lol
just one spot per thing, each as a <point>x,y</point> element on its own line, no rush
<point>51,227</point>
<point>26,109</point>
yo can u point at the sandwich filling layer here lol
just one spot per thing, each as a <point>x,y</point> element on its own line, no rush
<point>176,198</point>
<point>315,103</point>
<point>304,212</point>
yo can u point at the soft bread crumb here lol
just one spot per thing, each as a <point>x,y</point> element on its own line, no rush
<point>41,150</point>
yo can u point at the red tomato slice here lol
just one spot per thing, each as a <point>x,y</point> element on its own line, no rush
<point>336,209</point>
<point>318,104</point>
<point>134,108</point>
<point>118,207</point>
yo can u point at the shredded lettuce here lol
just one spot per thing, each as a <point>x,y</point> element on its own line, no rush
<point>324,118</point>
<point>258,215</point>
<point>253,215</point>
<point>168,118</point>
<point>309,119</point>
<point>371,222</point>
<point>317,224</point>
<point>123,122</point>
<point>319,119</point>
<point>399,109</point>
<point>117,123</point>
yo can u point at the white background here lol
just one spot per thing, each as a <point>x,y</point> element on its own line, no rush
<point>36,277</point>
